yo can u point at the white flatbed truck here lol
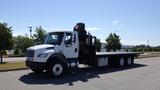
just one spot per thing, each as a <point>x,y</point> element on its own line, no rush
<point>62,51</point>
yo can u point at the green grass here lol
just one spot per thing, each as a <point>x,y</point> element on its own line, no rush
<point>6,66</point>
<point>149,55</point>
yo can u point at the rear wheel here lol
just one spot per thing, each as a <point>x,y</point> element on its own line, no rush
<point>129,61</point>
<point>121,62</point>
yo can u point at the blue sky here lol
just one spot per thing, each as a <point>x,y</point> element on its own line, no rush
<point>136,21</point>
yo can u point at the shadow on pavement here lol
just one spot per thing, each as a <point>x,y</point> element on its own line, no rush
<point>82,74</point>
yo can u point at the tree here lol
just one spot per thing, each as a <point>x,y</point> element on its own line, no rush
<point>40,35</point>
<point>23,42</point>
<point>16,51</point>
<point>145,48</point>
<point>113,42</point>
<point>98,45</point>
<point>6,38</point>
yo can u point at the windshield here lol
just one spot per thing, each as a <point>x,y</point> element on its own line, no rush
<point>54,38</point>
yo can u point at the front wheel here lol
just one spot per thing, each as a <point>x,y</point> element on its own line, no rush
<point>56,69</point>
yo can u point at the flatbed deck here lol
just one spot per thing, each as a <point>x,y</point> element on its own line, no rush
<point>116,53</point>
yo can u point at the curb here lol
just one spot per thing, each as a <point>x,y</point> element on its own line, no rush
<point>13,69</point>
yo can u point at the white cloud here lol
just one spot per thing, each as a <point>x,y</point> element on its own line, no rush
<point>1,21</point>
<point>67,29</point>
<point>93,29</point>
<point>49,29</point>
<point>115,22</point>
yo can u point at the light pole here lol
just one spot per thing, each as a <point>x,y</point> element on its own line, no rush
<point>148,42</point>
<point>30,29</point>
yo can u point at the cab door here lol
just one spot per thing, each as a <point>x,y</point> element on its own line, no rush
<point>70,45</point>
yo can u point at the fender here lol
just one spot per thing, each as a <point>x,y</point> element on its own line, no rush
<point>58,56</point>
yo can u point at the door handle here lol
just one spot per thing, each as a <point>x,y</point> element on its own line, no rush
<point>75,50</point>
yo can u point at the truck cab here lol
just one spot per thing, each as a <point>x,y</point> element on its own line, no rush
<point>59,47</point>
<point>65,43</point>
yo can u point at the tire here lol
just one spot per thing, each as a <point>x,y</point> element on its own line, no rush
<point>37,70</point>
<point>56,69</point>
<point>129,61</point>
<point>121,62</point>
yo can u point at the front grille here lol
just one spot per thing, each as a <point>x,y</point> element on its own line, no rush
<point>30,53</point>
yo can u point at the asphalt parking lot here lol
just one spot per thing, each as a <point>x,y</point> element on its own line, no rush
<point>144,75</point>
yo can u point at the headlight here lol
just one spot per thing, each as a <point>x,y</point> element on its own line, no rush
<point>43,55</point>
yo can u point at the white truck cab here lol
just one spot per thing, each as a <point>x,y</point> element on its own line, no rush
<point>66,43</point>
<point>60,47</point>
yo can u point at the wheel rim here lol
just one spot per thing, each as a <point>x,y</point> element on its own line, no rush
<point>57,69</point>
<point>129,61</point>
<point>121,62</point>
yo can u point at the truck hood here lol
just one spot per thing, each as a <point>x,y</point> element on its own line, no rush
<point>41,46</point>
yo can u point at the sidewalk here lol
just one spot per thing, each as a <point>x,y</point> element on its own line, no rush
<point>12,59</point>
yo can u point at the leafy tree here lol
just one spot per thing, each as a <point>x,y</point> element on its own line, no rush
<point>40,35</point>
<point>98,45</point>
<point>17,51</point>
<point>145,48</point>
<point>23,42</point>
<point>113,42</point>
<point>6,38</point>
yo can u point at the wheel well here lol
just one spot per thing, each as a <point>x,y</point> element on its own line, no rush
<point>56,58</point>
<point>51,59</point>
